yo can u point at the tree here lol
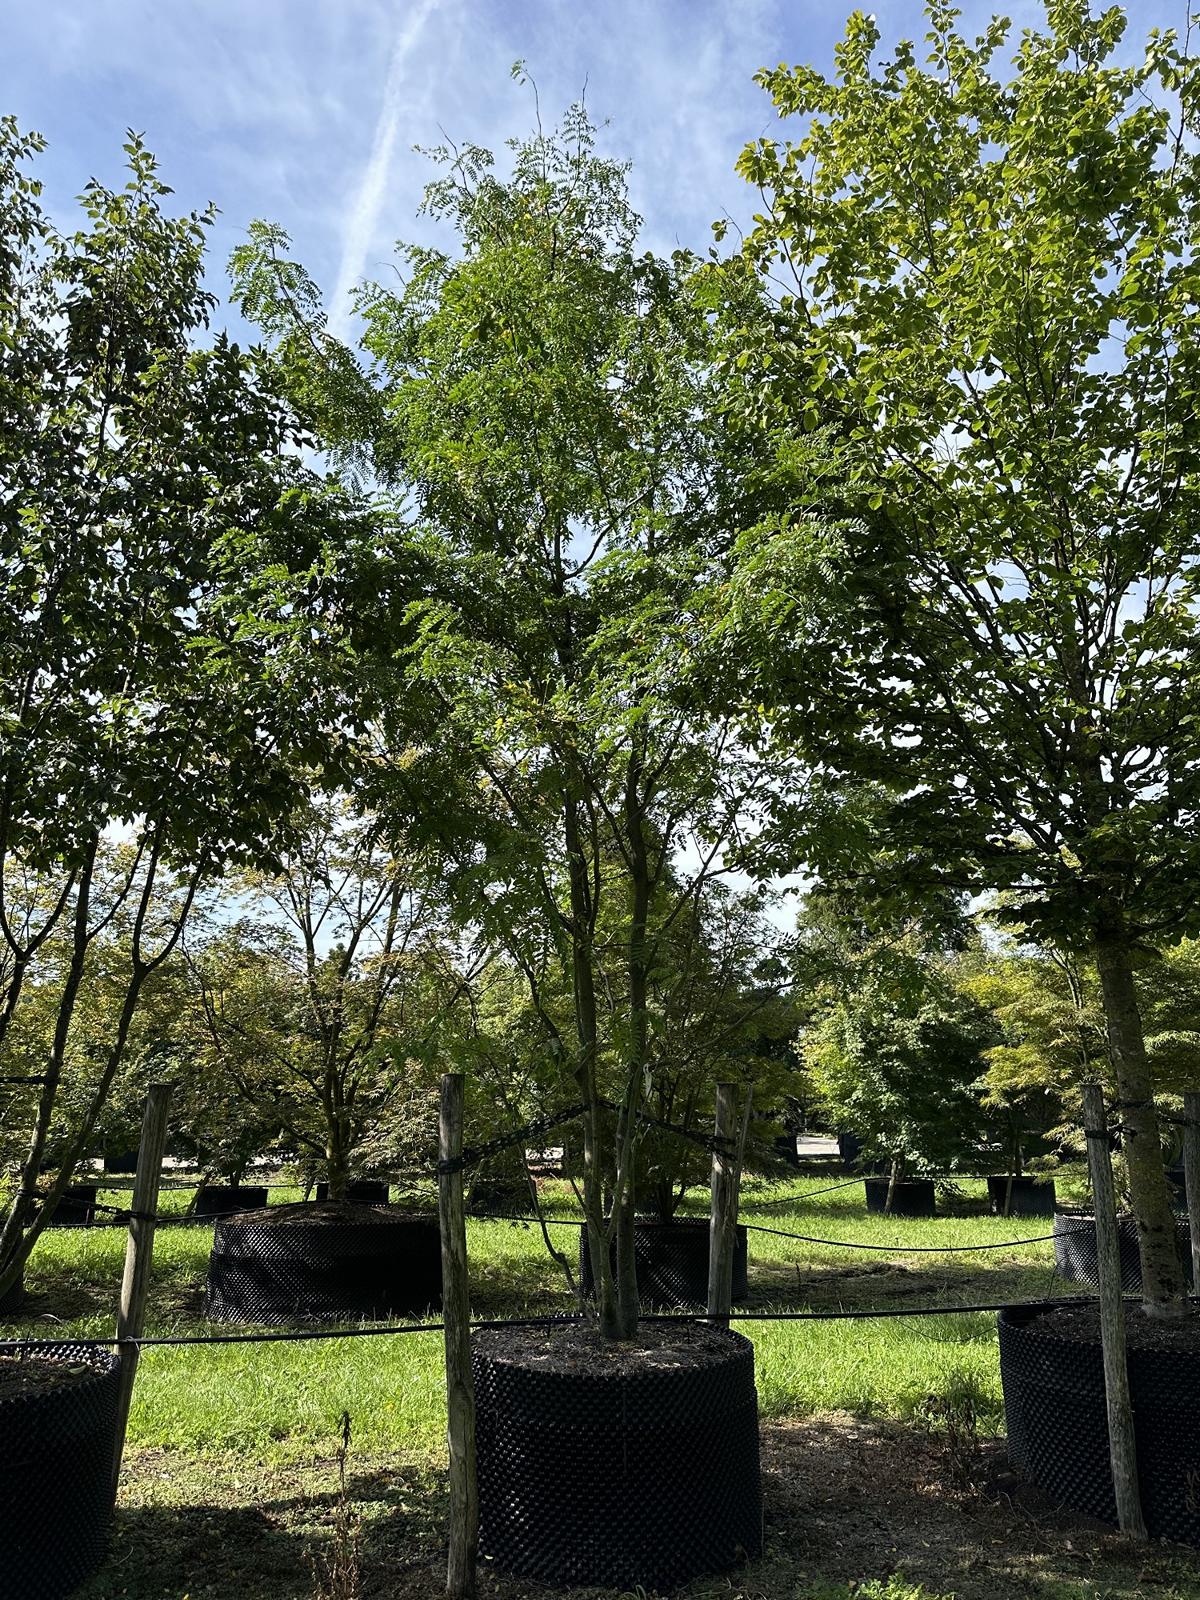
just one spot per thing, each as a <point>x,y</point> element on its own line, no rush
<point>322,1002</point>
<point>895,1048</point>
<point>1048,1009</point>
<point>164,607</point>
<point>545,398</point>
<point>989,284</point>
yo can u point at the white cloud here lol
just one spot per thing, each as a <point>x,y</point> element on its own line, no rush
<point>365,213</point>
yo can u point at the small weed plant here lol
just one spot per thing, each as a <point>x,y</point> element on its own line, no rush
<point>336,1573</point>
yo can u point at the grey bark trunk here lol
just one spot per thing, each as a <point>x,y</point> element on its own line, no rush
<point>1163,1288</point>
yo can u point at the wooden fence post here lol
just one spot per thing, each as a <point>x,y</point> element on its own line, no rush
<point>1121,1444</point>
<point>456,1317</point>
<point>139,1254</point>
<point>726,1185</point>
<point>1191,1178</point>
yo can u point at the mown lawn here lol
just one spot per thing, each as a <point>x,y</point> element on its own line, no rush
<point>230,1468</point>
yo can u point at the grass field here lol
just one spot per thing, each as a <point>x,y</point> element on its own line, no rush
<point>230,1447</point>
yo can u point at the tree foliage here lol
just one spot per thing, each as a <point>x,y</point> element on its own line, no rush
<point>164,601</point>
<point>988,279</point>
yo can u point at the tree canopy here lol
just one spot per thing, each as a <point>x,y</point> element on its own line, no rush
<point>988,280</point>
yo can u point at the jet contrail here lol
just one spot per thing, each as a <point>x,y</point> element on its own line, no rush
<point>368,202</point>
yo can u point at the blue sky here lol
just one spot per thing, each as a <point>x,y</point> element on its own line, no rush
<point>306,111</point>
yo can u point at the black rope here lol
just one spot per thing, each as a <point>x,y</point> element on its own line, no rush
<point>909,1249</point>
<point>296,1336</point>
<point>475,1154</point>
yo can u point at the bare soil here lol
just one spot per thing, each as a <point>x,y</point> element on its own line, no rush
<point>578,1347</point>
<point>26,1375</point>
<point>847,1501</point>
<point>1082,1324</point>
<point>328,1212</point>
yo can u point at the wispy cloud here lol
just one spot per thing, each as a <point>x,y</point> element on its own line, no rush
<point>365,212</point>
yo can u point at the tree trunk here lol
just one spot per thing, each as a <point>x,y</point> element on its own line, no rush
<point>584,995</point>
<point>637,967</point>
<point>1163,1288</point>
<point>893,1180</point>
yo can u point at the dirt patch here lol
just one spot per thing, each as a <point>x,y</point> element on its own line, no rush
<point>847,1501</point>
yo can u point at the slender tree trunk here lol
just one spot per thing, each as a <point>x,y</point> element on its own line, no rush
<point>584,991</point>
<point>639,983</point>
<point>1163,1289</point>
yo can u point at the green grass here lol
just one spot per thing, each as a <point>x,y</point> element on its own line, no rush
<point>281,1400</point>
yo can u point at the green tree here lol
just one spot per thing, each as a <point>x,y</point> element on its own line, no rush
<point>988,281</point>
<point>1048,1009</point>
<point>545,397</point>
<point>163,586</point>
<point>894,1047</point>
<point>322,1001</point>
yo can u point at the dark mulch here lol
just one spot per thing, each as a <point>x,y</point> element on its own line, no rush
<point>579,1347</point>
<point>1082,1323</point>
<point>23,1375</point>
<point>321,1211</point>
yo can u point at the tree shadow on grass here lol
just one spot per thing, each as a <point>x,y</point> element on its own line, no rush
<point>219,1530</point>
<point>846,1501</point>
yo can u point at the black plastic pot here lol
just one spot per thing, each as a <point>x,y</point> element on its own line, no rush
<point>295,1268</point>
<point>1058,1433</point>
<point>56,1465</point>
<point>1075,1249</point>
<point>785,1147</point>
<point>672,1262</point>
<point>1031,1197</point>
<point>77,1208</point>
<point>849,1149</point>
<point>642,1475</point>
<point>224,1200</point>
<point>363,1191</point>
<point>912,1197</point>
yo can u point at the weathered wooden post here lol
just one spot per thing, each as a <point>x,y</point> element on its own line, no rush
<point>1121,1444</point>
<point>456,1317</point>
<point>139,1254</point>
<point>726,1185</point>
<point>1191,1178</point>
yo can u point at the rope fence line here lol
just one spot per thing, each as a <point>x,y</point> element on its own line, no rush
<point>913,1249</point>
<point>173,1219</point>
<point>31,1345</point>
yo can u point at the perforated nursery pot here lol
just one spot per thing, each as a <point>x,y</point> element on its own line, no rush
<point>225,1199</point>
<point>363,1191</point>
<point>1075,1249</point>
<point>326,1262</point>
<point>911,1197</point>
<point>672,1262</point>
<point>77,1208</point>
<point>622,1470</point>
<point>1055,1409</point>
<point>56,1458</point>
<point>1030,1197</point>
